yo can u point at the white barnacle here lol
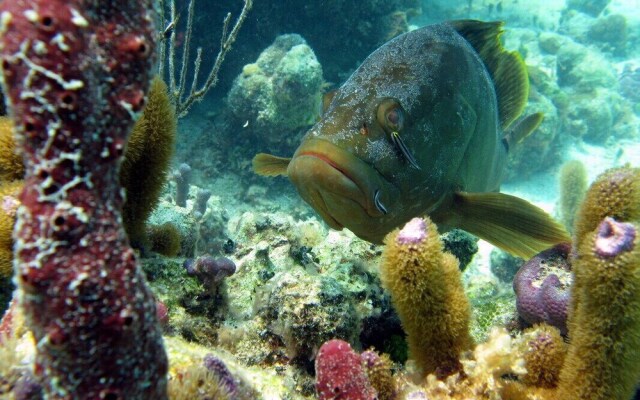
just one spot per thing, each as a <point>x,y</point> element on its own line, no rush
<point>129,108</point>
<point>73,285</point>
<point>31,15</point>
<point>105,152</point>
<point>74,84</point>
<point>5,20</point>
<point>78,19</point>
<point>58,40</point>
<point>40,47</point>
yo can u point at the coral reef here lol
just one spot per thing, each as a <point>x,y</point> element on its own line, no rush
<point>542,287</point>
<point>426,290</point>
<point>304,312</point>
<point>210,271</point>
<point>83,294</point>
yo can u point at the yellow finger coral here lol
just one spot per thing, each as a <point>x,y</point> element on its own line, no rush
<point>603,362</point>
<point>147,160</point>
<point>11,167</point>
<point>573,186</point>
<point>426,291</point>
<point>615,194</point>
<point>544,353</point>
<point>8,205</point>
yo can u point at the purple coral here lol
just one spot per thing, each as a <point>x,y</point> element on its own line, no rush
<point>182,177</point>
<point>414,232</point>
<point>542,287</point>
<point>225,378</point>
<point>614,237</point>
<point>210,271</point>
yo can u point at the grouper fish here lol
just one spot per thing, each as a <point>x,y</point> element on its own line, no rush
<point>423,127</point>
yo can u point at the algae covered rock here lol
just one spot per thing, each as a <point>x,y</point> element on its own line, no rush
<point>583,68</point>
<point>281,90</point>
<point>304,312</point>
<point>590,7</point>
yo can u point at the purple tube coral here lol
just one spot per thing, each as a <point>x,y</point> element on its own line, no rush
<point>210,271</point>
<point>183,178</point>
<point>226,379</point>
<point>542,287</point>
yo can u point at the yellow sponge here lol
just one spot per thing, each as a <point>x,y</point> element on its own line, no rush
<point>426,291</point>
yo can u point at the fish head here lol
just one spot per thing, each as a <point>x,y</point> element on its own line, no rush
<point>352,172</point>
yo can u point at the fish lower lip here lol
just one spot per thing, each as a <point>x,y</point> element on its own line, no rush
<point>361,199</point>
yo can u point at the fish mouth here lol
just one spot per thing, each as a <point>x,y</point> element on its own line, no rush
<point>342,188</point>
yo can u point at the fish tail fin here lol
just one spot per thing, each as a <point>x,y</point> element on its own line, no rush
<point>268,165</point>
<point>506,68</point>
<point>522,128</point>
<point>508,222</point>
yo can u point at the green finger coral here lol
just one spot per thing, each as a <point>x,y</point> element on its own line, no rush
<point>573,186</point>
<point>147,161</point>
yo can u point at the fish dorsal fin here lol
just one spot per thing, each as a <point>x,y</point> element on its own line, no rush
<point>509,222</point>
<point>522,128</point>
<point>506,68</point>
<point>267,165</point>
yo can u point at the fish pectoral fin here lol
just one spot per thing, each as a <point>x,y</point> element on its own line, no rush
<point>268,165</point>
<point>508,222</point>
<point>522,128</point>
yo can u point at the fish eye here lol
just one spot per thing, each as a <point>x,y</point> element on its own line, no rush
<point>391,115</point>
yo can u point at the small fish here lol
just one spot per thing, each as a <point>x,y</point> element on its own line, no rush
<point>171,25</point>
<point>167,31</point>
<point>423,127</point>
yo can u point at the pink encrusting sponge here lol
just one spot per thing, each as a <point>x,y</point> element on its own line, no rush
<point>76,73</point>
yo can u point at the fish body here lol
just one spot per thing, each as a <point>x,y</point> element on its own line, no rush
<point>417,129</point>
